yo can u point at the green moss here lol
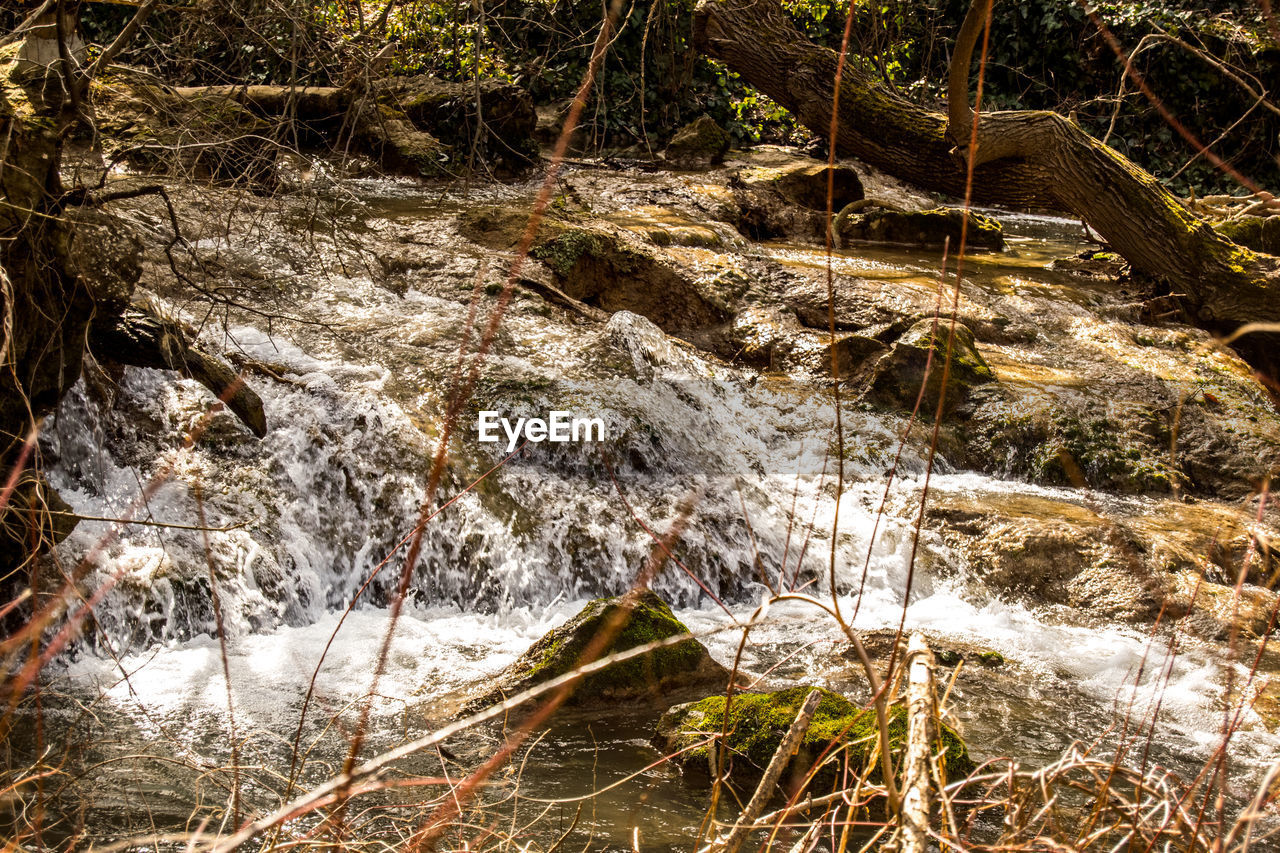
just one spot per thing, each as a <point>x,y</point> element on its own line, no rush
<point>1259,233</point>
<point>650,619</point>
<point>991,658</point>
<point>758,722</point>
<point>1058,447</point>
<point>564,252</point>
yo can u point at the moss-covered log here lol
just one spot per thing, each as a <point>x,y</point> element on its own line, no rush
<point>1023,158</point>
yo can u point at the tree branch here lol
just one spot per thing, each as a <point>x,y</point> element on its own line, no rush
<point>122,41</point>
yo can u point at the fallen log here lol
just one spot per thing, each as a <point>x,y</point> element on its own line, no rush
<point>1022,158</point>
<point>142,338</point>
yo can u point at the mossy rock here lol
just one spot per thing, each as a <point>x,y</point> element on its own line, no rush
<point>401,145</point>
<point>759,721</point>
<point>697,145</point>
<point>790,201</point>
<point>652,675</point>
<point>899,374</point>
<point>608,271</point>
<point>928,229</point>
<point>1260,233</point>
<point>852,352</point>
<point>806,185</point>
<point>152,128</point>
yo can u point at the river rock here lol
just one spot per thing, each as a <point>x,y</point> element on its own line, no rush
<point>790,200</point>
<point>606,270</point>
<point>645,617</point>
<point>697,145</point>
<point>757,723</point>
<point>900,373</point>
<point>1111,564</point>
<point>925,228</point>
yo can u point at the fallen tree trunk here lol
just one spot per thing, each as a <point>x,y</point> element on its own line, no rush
<point>1023,158</point>
<point>142,338</point>
<point>418,126</point>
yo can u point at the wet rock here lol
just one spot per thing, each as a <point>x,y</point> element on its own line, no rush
<point>499,226</point>
<point>1112,565</point>
<point>757,723</point>
<point>924,228</point>
<point>1051,552</point>
<point>852,353</point>
<point>806,184</point>
<point>604,270</point>
<point>948,651</point>
<point>790,200</point>
<point>140,336</point>
<point>1062,442</point>
<point>1215,610</point>
<point>648,347</point>
<point>637,619</point>
<point>899,375</point>
<point>1100,266</point>
<point>697,145</point>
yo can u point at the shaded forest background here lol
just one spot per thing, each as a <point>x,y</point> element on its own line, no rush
<point>1209,63</point>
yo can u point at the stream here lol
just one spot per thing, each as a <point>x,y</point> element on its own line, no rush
<point>350,334</point>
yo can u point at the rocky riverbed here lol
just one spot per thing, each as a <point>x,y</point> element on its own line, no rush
<point>1092,511</point>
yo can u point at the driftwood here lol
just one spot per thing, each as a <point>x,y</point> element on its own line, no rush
<point>912,832</point>
<point>142,338</point>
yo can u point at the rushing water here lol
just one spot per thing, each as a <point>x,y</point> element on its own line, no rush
<point>306,515</point>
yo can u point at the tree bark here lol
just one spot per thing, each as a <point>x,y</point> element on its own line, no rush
<point>1023,158</point>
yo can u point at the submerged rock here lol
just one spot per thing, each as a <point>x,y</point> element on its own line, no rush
<point>924,228</point>
<point>697,145</point>
<point>899,375</point>
<point>643,617</point>
<point>757,723</point>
